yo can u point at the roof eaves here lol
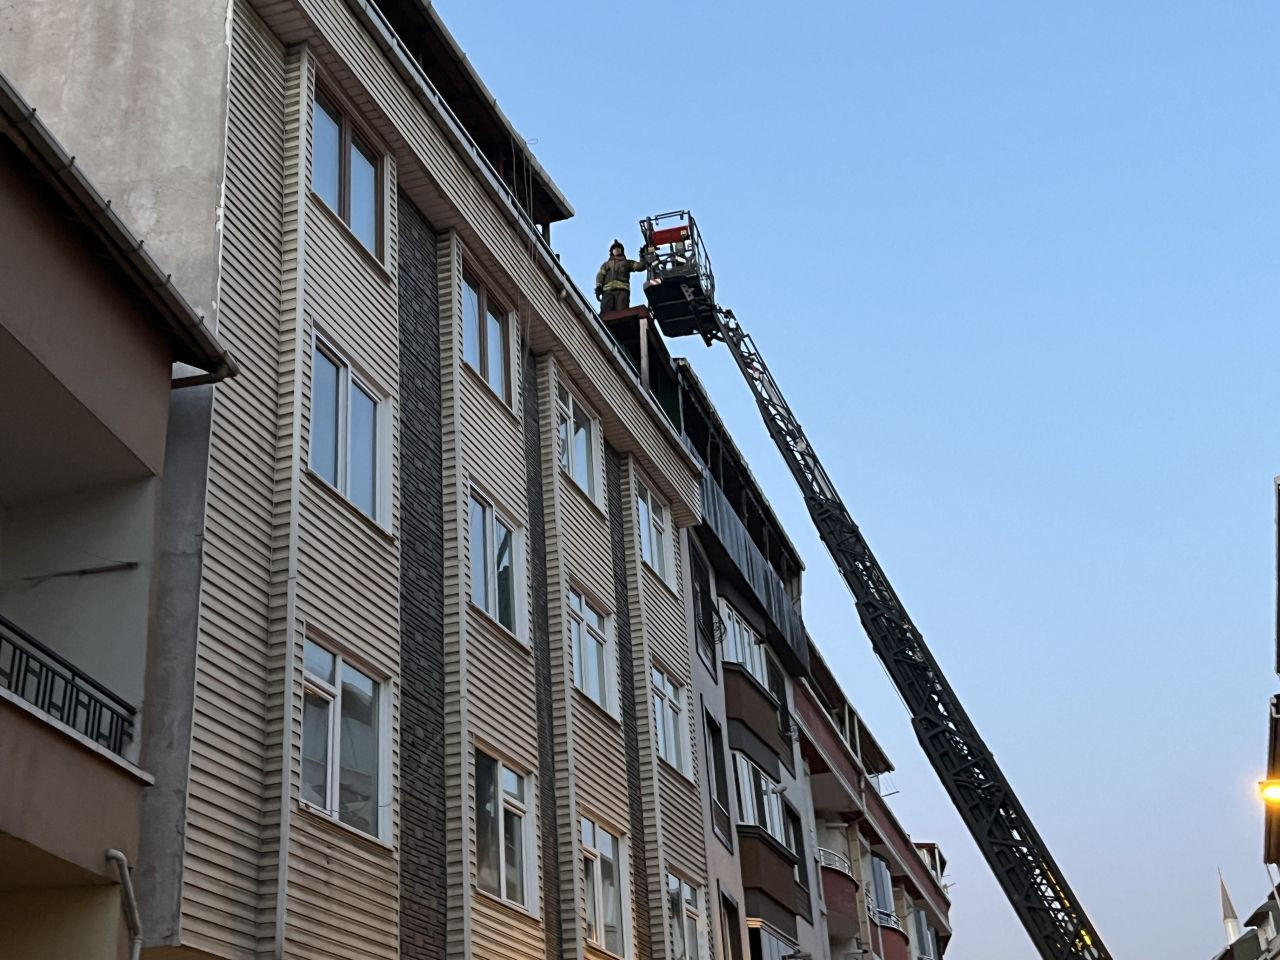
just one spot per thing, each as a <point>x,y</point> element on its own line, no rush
<point>59,169</point>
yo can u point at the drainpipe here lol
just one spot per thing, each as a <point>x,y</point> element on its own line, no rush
<point>130,903</point>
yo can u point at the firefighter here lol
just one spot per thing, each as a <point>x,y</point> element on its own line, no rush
<point>613,281</point>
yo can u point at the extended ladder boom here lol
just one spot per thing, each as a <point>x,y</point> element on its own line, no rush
<point>1017,855</point>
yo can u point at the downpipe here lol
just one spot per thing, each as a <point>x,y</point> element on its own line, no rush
<point>131,915</point>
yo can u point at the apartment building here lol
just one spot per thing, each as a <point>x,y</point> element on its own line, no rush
<point>96,344</point>
<point>481,640</point>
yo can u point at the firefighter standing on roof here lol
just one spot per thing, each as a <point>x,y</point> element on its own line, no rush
<point>613,281</point>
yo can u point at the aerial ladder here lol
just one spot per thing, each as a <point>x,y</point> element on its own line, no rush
<point>680,289</point>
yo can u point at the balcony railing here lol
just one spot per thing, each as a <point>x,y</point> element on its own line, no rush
<point>885,918</point>
<point>836,861</point>
<point>55,687</point>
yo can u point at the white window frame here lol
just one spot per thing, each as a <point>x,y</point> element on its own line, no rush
<point>569,408</point>
<point>525,810</point>
<point>484,298</point>
<point>332,692</point>
<point>595,891</point>
<point>669,718</point>
<point>686,915</point>
<point>349,378</point>
<point>764,812</point>
<point>923,937</point>
<point>653,523</point>
<point>745,647</point>
<point>580,633</point>
<point>493,515</point>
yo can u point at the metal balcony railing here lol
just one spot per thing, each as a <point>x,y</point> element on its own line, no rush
<point>55,687</point>
<point>836,861</point>
<point>885,918</point>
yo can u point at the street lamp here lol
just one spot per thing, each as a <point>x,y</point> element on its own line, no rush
<point>1270,790</point>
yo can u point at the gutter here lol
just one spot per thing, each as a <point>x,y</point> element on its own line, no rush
<point>129,253</point>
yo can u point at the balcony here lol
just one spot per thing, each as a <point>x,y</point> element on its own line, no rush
<point>54,686</point>
<point>840,891</point>
<point>733,549</point>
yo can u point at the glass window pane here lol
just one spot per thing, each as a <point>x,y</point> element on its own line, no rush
<point>588,833</point>
<point>582,465</point>
<point>496,347</point>
<point>325,376</point>
<point>364,196</point>
<point>471,324</point>
<point>611,891</point>
<point>362,465</point>
<point>358,752</point>
<point>325,154</point>
<point>691,934</point>
<point>593,912</point>
<point>317,661</point>
<point>513,785</point>
<point>562,431</point>
<point>601,671</point>
<point>575,643</point>
<point>479,555</point>
<point>676,914</point>
<point>504,564</point>
<point>487,823</point>
<point>513,850</point>
<point>659,548</point>
<point>315,750</point>
<point>591,671</point>
<point>642,521</point>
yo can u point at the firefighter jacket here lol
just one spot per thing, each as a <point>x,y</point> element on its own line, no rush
<point>615,273</point>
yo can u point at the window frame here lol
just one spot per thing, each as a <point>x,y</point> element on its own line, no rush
<point>757,658</point>
<point>924,936</point>
<point>594,892</point>
<point>683,913</point>
<point>672,695</point>
<point>717,771</point>
<point>504,804</point>
<point>495,515</point>
<point>350,378</point>
<point>331,692</point>
<point>484,300</point>
<point>583,633</point>
<point>730,926</point>
<point>749,814</point>
<point>880,913</point>
<point>568,406</point>
<point>653,523</point>
<point>351,136</point>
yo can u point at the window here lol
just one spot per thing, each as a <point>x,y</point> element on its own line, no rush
<point>730,927</point>
<point>682,909</point>
<point>347,449</point>
<point>493,564</point>
<point>503,839</point>
<point>882,909</point>
<point>346,174</point>
<point>651,517</point>
<point>718,781</point>
<point>576,430</point>
<point>485,331</point>
<point>707,623</point>
<point>341,740</point>
<point>743,646</point>
<point>767,945</point>
<point>590,643</point>
<point>925,937</point>
<point>668,718</point>
<point>602,880</point>
<point>759,799</point>
<point>777,685</point>
<point>795,843</point>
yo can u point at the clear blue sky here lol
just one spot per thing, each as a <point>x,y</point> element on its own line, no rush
<point>1015,265</point>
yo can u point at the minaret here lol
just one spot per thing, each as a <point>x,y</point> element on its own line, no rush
<point>1229,919</point>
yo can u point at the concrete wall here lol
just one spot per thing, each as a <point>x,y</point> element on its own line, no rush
<point>81,922</point>
<point>99,621</point>
<point>136,90</point>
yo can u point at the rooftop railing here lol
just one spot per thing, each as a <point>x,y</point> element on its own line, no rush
<point>55,687</point>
